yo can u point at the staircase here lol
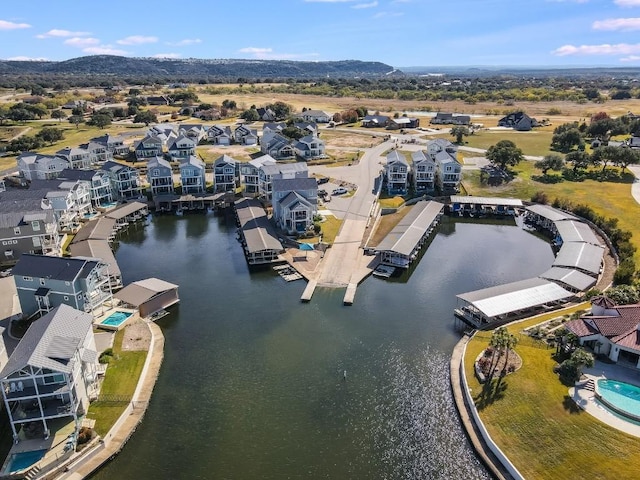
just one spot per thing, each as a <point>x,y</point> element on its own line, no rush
<point>590,385</point>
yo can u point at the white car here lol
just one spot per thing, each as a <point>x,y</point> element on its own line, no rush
<point>339,191</point>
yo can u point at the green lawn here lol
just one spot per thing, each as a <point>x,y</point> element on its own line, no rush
<point>330,228</point>
<point>535,142</point>
<point>120,380</point>
<point>536,424</point>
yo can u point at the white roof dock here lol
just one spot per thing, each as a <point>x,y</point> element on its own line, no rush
<point>489,201</point>
<point>550,213</point>
<point>570,277</point>
<point>514,297</point>
<point>407,234</point>
<point>572,231</point>
<point>580,255</point>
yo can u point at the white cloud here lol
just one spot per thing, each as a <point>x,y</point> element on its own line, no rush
<point>62,33</point>
<point>366,5</point>
<point>388,14</point>
<point>104,50</point>
<point>604,49</point>
<point>137,40</point>
<point>166,55</point>
<point>631,58</point>
<point>4,25</point>
<point>21,58</point>
<point>186,41</point>
<point>627,3</point>
<point>624,24</point>
<point>81,42</point>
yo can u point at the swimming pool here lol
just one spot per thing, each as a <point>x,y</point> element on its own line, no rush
<point>22,460</point>
<point>621,397</point>
<point>116,319</point>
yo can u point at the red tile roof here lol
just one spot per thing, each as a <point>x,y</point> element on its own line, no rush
<point>580,328</point>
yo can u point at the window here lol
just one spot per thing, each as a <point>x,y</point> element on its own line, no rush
<point>57,378</point>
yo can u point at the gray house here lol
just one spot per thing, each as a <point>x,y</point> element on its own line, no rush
<point>45,282</point>
<point>295,203</point>
<point>125,180</point>
<point>250,174</point>
<point>160,176</point>
<point>51,374</point>
<point>226,174</point>
<point>423,172</point>
<point>192,175</point>
<point>34,166</point>
<point>98,182</point>
<point>149,147</point>
<point>397,173</point>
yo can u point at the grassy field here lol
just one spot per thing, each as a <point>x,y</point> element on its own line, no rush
<point>536,142</point>
<point>535,423</point>
<point>330,228</point>
<point>120,380</point>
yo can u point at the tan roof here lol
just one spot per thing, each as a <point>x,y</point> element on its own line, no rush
<point>126,209</point>
<point>96,249</point>
<point>139,292</point>
<point>99,229</point>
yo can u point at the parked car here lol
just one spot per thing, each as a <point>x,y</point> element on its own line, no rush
<point>322,180</point>
<point>322,193</point>
<point>339,191</point>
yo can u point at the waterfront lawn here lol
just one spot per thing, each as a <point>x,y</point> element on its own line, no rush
<point>119,383</point>
<point>610,199</point>
<point>538,427</point>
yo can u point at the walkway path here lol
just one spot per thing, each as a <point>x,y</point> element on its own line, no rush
<point>635,186</point>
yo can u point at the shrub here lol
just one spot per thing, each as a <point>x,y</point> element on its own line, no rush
<point>84,435</point>
<point>106,356</point>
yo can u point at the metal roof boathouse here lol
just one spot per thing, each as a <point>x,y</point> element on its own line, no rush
<point>510,301</point>
<point>257,234</point>
<point>471,205</point>
<point>402,245</point>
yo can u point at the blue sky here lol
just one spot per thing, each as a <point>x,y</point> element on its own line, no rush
<point>398,32</point>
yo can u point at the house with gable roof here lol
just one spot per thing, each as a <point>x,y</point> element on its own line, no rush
<point>220,134</point>
<point>192,176</point>
<point>98,182</point>
<point>317,116</point>
<point>309,147</point>
<point>125,180</point>
<point>376,121</point>
<point>396,173</point>
<point>194,131</point>
<point>295,203</point>
<point>114,144</point>
<point>448,169</point>
<point>423,172</point>
<point>150,146</point>
<point>245,135</point>
<point>277,146</point>
<point>52,373</point>
<point>77,157</point>
<point>44,282</point>
<point>35,166</point>
<point>182,147</point>
<point>269,172</point>
<point>250,174</point>
<point>266,114</point>
<point>226,174</point>
<point>160,176</point>
<point>611,330</point>
<point>518,121</point>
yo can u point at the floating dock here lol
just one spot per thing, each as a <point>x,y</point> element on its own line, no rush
<point>287,272</point>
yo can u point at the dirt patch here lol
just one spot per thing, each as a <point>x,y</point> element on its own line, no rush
<point>240,152</point>
<point>137,337</point>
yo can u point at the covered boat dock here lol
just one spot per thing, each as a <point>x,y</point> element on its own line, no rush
<point>471,206</point>
<point>402,245</point>
<point>127,213</point>
<point>191,202</point>
<point>573,231</point>
<point>503,303</point>
<point>569,278</point>
<point>149,296</point>
<point>257,235</point>
<point>581,256</point>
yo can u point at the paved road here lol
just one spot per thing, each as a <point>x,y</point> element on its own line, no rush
<point>342,259</point>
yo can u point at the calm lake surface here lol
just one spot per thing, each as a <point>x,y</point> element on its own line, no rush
<point>252,381</point>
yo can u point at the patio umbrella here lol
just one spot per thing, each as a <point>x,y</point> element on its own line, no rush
<point>306,247</point>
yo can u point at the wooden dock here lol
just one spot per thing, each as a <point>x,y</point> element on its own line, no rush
<point>308,291</point>
<point>350,294</point>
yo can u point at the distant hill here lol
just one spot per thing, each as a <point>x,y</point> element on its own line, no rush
<point>540,71</point>
<point>99,65</point>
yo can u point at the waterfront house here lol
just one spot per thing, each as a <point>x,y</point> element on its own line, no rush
<point>192,176</point>
<point>220,135</point>
<point>182,147</point>
<point>77,157</point>
<point>125,180</point>
<point>226,174</point>
<point>448,169</point>
<point>70,200</point>
<point>268,172</point>
<point>34,166</point>
<point>423,169</point>
<point>27,225</point>
<point>44,282</point>
<point>114,144</point>
<point>150,146</point>
<point>396,173</point>
<point>98,181</point>
<point>309,147</point>
<point>245,135</point>
<point>295,203</point>
<point>250,174</point>
<point>160,176</point>
<point>317,116</point>
<point>611,330</point>
<point>51,374</point>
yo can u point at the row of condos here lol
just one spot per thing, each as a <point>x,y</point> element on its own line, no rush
<point>435,168</point>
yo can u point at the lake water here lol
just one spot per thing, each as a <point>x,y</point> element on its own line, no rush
<point>252,382</point>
